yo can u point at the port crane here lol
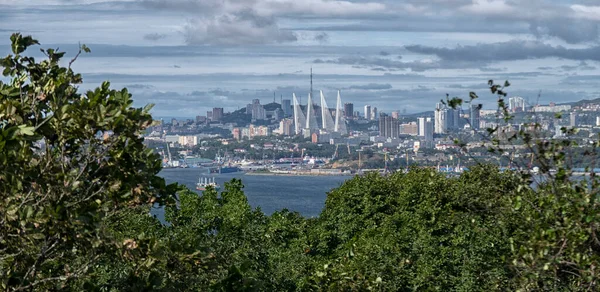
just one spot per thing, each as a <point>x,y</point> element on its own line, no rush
<point>169,153</point>
<point>336,153</point>
<point>385,158</point>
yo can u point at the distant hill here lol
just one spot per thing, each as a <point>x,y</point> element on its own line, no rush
<point>272,106</point>
<point>582,102</point>
<point>239,117</point>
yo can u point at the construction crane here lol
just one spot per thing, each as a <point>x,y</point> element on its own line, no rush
<point>385,158</point>
<point>169,152</point>
<point>335,154</point>
<point>359,159</point>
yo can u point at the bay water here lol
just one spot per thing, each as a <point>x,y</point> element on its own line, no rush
<point>304,194</point>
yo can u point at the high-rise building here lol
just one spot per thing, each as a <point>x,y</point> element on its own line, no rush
<point>286,106</point>
<point>421,123</point>
<point>367,112</point>
<point>440,119</point>
<point>475,116</point>
<point>516,104</point>
<point>209,115</point>
<point>455,118</point>
<point>426,131</point>
<point>258,112</point>
<point>574,119</point>
<point>286,127</point>
<point>389,127</point>
<point>349,110</point>
<point>425,128</point>
<point>396,115</point>
<point>374,113</point>
<point>217,114</point>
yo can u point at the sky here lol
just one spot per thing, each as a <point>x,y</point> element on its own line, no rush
<point>188,56</point>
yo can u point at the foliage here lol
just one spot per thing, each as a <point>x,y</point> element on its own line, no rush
<point>70,162</point>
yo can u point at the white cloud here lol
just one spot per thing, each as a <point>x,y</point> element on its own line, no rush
<point>488,7</point>
<point>235,29</point>
<point>586,12</point>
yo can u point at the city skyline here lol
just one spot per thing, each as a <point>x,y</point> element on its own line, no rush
<point>189,56</point>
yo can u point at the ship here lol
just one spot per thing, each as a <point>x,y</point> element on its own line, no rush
<point>225,169</point>
<point>205,182</point>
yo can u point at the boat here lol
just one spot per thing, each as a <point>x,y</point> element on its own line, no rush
<point>229,169</point>
<point>205,182</point>
<point>225,169</point>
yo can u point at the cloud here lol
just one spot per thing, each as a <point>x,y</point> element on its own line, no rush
<point>244,27</point>
<point>322,37</point>
<point>375,62</point>
<point>139,86</point>
<point>573,32</point>
<point>371,86</point>
<point>491,69</point>
<point>270,7</point>
<point>581,66</point>
<point>154,36</point>
<point>508,51</point>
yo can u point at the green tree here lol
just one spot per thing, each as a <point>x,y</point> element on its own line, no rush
<point>70,163</point>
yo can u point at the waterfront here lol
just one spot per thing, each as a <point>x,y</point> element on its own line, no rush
<point>304,194</point>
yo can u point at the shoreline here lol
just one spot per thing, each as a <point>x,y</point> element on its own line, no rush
<point>298,174</point>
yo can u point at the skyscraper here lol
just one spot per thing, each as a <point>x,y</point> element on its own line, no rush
<point>516,104</point>
<point>396,115</point>
<point>440,121</point>
<point>426,131</point>
<point>374,113</point>
<point>426,128</point>
<point>258,112</point>
<point>349,110</point>
<point>389,127</point>
<point>286,127</point>
<point>574,119</point>
<point>367,112</point>
<point>217,114</point>
<point>475,116</point>
<point>421,124</point>
<point>286,106</point>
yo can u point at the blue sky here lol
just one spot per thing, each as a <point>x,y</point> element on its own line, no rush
<point>187,56</point>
